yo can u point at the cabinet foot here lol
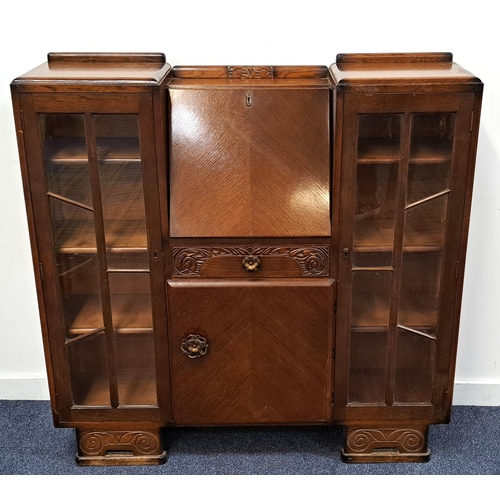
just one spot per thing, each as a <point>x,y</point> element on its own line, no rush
<point>386,444</point>
<point>138,447</point>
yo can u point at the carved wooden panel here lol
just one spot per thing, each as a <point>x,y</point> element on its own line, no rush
<point>269,354</point>
<point>366,440</point>
<point>386,444</point>
<point>249,162</point>
<point>276,261</point>
<point>98,443</point>
<point>250,72</point>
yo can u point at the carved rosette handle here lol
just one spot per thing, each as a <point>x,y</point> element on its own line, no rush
<point>194,346</point>
<point>251,263</point>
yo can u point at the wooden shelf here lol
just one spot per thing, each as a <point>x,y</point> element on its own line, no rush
<point>363,392</point>
<point>135,387</point>
<point>379,150</point>
<point>389,151</point>
<point>431,151</point>
<point>370,238</point>
<point>131,313</point>
<point>109,150</point>
<point>78,236</point>
<point>370,311</point>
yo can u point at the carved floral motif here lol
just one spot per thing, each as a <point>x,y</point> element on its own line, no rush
<point>313,261</point>
<point>248,72</point>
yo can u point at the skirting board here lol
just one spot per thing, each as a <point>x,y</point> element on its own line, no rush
<point>28,387</point>
<point>476,393</point>
<point>467,393</point>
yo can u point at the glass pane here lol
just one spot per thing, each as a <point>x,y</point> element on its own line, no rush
<point>73,229</point>
<point>65,156</point>
<point>415,361</point>
<point>369,330</point>
<point>77,267</point>
<point>131,310</point>
<point>130,302</point>
<point>117,138</point>
<point>425,225</point>
<point>376,180</point>
<point>374,217</point>
<point>367,362</point>
<point>432,137</point>
<point>379,137</point>
<point>80,293</point>
<point>420,291</point>
<point>120,173</point>
<point>88,367</point>
<point>427,179</point>
<point>431,148</point>
<point>74,243</point>
<point>372,257</point>
<point>136,369</point>
<point>371,294</point>
<point>128,259</point>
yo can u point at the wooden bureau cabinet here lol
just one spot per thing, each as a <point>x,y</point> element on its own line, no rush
<point>248,245</point>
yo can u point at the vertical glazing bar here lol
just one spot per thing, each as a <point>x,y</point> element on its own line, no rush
<point>101,255</point>
<point>397,256</point>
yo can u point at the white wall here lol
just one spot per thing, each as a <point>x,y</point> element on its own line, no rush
<point>256,32</point>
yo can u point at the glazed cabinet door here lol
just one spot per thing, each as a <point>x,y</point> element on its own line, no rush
<point>251,352</point>
<point>91,162</point>
<point>404,167</point>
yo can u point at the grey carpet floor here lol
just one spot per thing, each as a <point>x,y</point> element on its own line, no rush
<point>29,444</point>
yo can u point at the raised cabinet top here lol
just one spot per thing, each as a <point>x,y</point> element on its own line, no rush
<point>393,69</point>
<point>255,76</point>
<point>96,69</point>
<point>91,71</point>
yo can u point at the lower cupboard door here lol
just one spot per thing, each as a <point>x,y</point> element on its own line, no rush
<point>251,352</point>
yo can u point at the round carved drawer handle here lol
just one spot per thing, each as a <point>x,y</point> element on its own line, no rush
<point>251,263</point>
<point>194,346</point>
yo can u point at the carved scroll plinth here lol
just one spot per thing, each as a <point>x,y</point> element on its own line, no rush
<point>250,72</point>
<point>386,444</point>
<point>119,447</point>
<point>313,260</point>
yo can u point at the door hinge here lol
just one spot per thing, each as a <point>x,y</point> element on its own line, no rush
<point>457,269</point>
<point>22,119</point>
<point>471,121</point>
<point>40,265</point>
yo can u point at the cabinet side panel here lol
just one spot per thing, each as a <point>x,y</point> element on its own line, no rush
<point>19,122</point>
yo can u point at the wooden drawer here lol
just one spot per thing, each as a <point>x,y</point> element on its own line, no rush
<point>286,261</point>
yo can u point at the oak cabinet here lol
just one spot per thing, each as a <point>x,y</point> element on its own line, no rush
<point>248,245</point>
<point>406,156</point>
<point>90,163</point>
